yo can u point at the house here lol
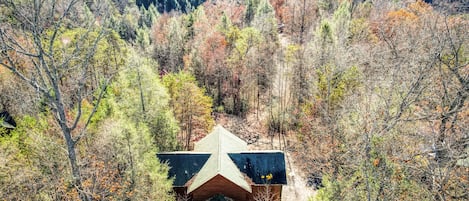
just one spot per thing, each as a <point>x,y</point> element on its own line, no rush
<point>6,120</point>
<point>7,123</point>
<point>221,165</point>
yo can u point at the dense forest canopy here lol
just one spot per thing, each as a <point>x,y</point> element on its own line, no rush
<point>368,98</point>
<point>170,5</point>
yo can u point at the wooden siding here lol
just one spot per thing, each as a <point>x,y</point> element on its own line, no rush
<point>220,185</point>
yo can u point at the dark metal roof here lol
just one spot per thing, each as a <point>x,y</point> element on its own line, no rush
<point>184,165</point>
<point>257,165</point>
<point>6,120</point>
<point>222,153</point>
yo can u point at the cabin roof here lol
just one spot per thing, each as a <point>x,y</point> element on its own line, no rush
<point>257,165</point>
<point>6,120</point>
<point>183,165</point>
<point>220,142</point>
<point>223,153</point>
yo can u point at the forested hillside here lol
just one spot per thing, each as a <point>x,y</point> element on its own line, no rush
<point>368,97</point>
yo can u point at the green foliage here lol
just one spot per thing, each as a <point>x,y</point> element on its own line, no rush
<point>458,57</point>
<point>266,23</point>
<point>189,23</point>
<point>148,16</point>
<point>6,14</point>
<point>325,32</point>
<point>329,191</point>
<point>143,37</point>
<point>32,155</point>
<point>139,97</point>
<point>170,38</point>
<point>342,12</point>
<point>105,51</point>
<point>85,69</point>
<point>139,124</point>
<point>129,23</point>
<point>245,39</point>
<point>334,85</point>
<point>292,52</point>
<point>225,25</point>
<point>376,179</point>
<point>264,8</point>
<point>184,6</point>
<point>341,22</point>
<point>325,5</point>
<point>174,82</point>
<point>192,108</point>
<point>359,30</point>
<point>130,144</point>
<point>279,121</point>
<point>251,8</point>
<point>242,44</point>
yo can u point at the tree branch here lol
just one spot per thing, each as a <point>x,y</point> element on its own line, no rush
<point>95,108</point>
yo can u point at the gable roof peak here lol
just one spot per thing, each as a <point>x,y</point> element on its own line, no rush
<point>222,141</point>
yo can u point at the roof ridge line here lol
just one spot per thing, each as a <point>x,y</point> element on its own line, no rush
<point>219,150</point>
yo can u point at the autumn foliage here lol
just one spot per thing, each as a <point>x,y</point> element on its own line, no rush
<point>368,99</point>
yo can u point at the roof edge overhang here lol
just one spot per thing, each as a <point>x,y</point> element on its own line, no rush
<point>191,188</point>
<point>182,152</point>
<point>248,190</point>
<point>257,152</point>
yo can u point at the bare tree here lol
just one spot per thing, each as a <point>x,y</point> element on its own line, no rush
<point>63,70</point>
<point>423,98</point>
<point>265,194</point>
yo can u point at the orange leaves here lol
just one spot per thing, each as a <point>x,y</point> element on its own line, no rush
<point>160,29</point>
<point>376,162</point>
<point>233,10</point>
<point>104,176</point>
<point>213,51</point>
<point>411,14</point>
<point>87,183</point>
<point>395,17</point>
<point>187,60</point>
<point>17,59</point>
<point>440,109</point>
<point>408,18</point>
<point>280,9</point>
<point>216,42</point>
<point>419,7</point>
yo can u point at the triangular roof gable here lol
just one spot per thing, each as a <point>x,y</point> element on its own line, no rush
<point>222,186</point>
<point>223,154</point>
<point>219,142</point>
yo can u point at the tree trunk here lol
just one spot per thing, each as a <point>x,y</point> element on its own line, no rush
<point>75,170</point>
<point>67,133</point>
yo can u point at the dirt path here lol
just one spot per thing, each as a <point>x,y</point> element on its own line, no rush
<point>253,130</point>
<point>296,189</point>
